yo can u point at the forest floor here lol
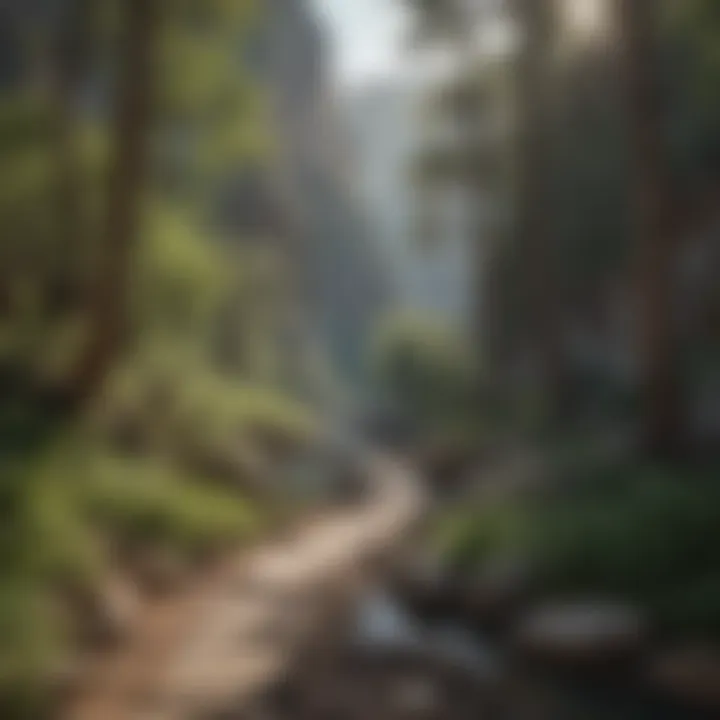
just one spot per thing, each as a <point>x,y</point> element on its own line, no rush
<point>232,636</point>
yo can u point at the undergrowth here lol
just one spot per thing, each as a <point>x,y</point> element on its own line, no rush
<point>648,534</point>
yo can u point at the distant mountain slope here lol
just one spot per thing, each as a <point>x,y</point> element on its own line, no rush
<point>431,274</point>
<point>323,226</point>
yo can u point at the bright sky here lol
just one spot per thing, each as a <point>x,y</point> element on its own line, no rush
<point>371,40</point>
<point>369,37</point>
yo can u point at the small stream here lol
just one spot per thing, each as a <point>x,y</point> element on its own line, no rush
<point>383,623</point>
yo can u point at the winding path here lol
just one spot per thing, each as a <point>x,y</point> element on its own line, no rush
<point>245,627</point>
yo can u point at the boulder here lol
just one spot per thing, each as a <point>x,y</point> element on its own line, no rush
<point>582,632</point>
<point>497,592</point>
<point>383,625</point>
<point>447,463</point>
<point>417,697</point>
<point>425,585</point>
<point>458,648</point>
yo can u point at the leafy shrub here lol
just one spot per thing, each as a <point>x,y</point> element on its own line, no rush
<point>29,645</point>
<point>640,531</point>
<point>72,506</point>
<point>426,368</point>
<point>145,503</point>
<point>471,536</point>
<point>174,397</point>
<point>649,534</point>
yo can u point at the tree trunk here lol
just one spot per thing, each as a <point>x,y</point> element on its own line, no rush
<point>655,236</point>
<point>541,341</point>
<point>127,174</point>
<point>70,63</point>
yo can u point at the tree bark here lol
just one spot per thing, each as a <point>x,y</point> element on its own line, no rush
<point>70,63</point>
<point>655,232</point>
<point>541,338</point>
<point>128,170</point>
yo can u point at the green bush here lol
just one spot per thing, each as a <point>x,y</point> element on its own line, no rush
<point>142,503</point>
<point>651,535</point>
<point>640,531</point>
<point>469,537</point>
<point>426,368</point>
<point>30,645</point>
<point>173,397</point>
<point>71,507</point>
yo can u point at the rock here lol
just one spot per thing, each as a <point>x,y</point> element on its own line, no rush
<point>382,625</point>
<point>691,674</point>
<point>446,463</point>
<point>457,648</point>
<point>587,632</point>
<point>425,586</point>
<point>417,697</point>
<point>425,570</point>
<point>497,592</point>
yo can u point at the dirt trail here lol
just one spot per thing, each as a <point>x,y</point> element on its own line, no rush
<point>228,640</point>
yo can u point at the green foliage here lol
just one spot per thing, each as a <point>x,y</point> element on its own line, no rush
<point>176,396</point>
<point>425,368</point>
<point>40,267</point>
<point>146,503</point>
<point>182,275</point>
<point>28,650</point>
<point>80,503</point>
<point>71,495</point>
<point>470,536</point>
<point>247,409</point>
<point>645,533</point>
<point>217,113</point>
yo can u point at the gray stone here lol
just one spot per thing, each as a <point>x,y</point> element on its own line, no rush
<point>424,584</point>
<point>498,590</point>
<point>458,648</point>
<point>592,631</point>
<point>417,697</point>
<point>382,624</point>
